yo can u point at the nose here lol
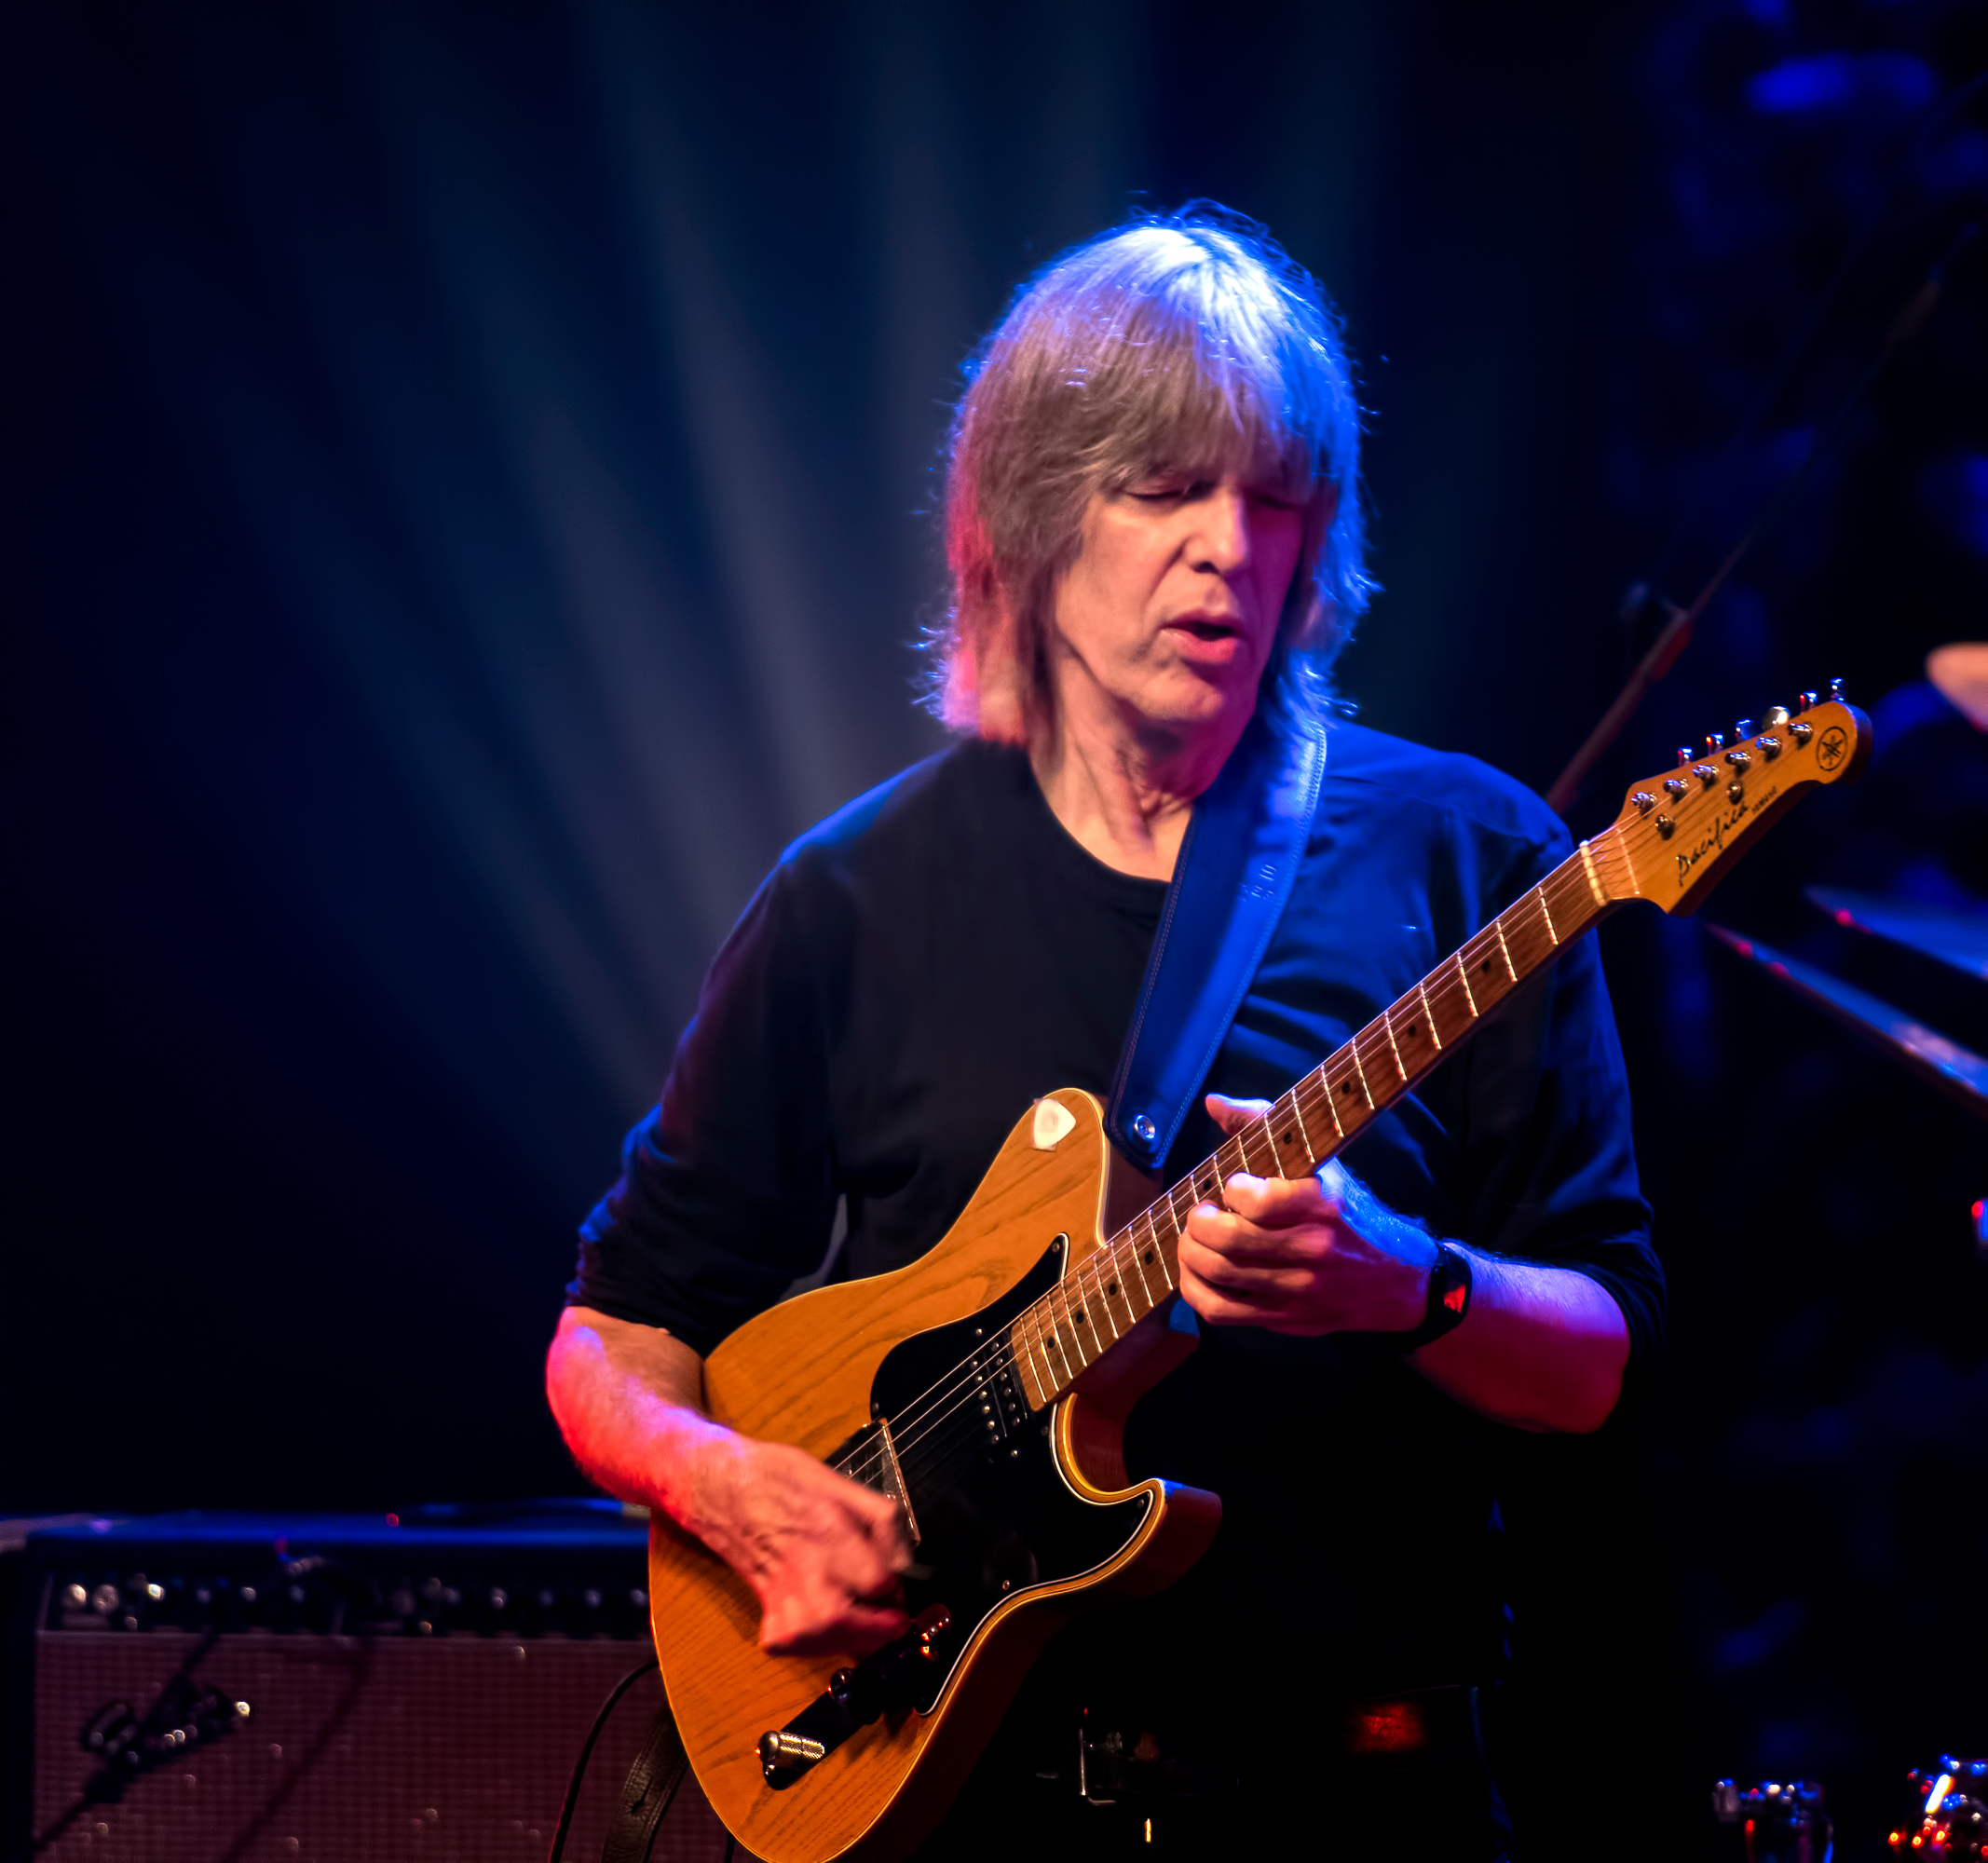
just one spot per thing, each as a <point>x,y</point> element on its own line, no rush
<point>1221,535</point>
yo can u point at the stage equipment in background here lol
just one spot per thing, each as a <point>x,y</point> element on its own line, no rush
<point>952,1385</point>
<point>1950,1822</point>
<point>1675,634</point>
<point>1957,1071</point>
<point>208,1687</point>
<point>1645,598</point>
<point>1959,672</point>
<point>1942,933</point>
<point>1782,1823</point>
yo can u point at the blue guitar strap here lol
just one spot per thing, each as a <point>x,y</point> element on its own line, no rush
<point>1237,865</point>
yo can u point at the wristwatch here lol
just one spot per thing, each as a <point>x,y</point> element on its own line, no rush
<point>1449,1286</point>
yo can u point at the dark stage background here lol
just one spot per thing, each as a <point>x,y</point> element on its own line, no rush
<point>466,484</point>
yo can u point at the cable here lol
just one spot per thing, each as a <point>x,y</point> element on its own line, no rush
<point>586,1753</point>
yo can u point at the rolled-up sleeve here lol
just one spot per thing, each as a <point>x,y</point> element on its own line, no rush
<point>727,1192</point>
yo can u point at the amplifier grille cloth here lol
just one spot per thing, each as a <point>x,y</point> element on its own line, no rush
<point>357,1750</point>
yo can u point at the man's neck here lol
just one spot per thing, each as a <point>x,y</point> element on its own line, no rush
<point>1123,788</point>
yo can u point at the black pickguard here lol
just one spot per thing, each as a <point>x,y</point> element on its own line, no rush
<point>994,1515</point>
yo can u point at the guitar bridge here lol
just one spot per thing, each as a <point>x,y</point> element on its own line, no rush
<point>853,1698</point>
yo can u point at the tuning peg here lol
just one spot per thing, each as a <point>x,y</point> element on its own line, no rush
<point>1742,727</point>
<point>1807,702</point>
<point>1776,716</point>
<point>1836,690</point>
<point>1686,756</point>
<point>1714,740</point>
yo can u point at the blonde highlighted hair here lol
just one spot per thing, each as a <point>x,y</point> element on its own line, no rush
<point>1179,340</point>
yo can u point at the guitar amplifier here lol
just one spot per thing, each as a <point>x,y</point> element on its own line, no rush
<point>227,1688</point>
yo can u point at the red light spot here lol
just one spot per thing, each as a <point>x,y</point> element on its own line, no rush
<point>1394,1728</point>
<point>393,1519</point>
<point>1844,918</point>
<point>1980,1204</point>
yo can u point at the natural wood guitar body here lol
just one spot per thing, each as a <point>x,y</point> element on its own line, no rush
<point>803,1374</point>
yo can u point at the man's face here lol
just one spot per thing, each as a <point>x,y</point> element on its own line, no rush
<point>1172,606</point>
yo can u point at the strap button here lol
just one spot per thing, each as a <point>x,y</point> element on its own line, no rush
<point>1143,1129</point>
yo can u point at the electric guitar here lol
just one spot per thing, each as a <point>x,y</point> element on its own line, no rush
<point>986,1387</point>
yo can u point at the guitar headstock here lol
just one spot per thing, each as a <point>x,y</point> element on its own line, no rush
<point>1682,830</point>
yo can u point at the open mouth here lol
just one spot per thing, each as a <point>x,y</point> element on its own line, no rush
<point>1205,628</point>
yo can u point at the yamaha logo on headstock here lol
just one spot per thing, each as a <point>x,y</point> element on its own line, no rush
<point>1678,832</point>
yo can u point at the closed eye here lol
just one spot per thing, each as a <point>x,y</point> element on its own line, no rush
<point>1170,492</point>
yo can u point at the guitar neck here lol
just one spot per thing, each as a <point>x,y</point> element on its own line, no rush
<point>1086,1314</point>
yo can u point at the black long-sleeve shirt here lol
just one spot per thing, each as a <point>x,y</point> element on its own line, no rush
<point>925,963</point>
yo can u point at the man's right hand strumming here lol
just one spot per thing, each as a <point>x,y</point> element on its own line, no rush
<point>822,1553</point>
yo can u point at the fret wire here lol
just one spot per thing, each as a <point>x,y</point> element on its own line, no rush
<point>1095,1266</point>
<point>1359,1065</point>
<point>1083,1307</point>
<point>1325,1082</point>
<point>1545,912</point>
<point>1462,976</point>
<point>1422,989</point>
<point>1159,1248</point>
<point>1159,1245</point>
<point>1304,1134</point>
<point>1038,1344</point>
<point>1060,1292</point>
<point>1125,1268</point>
<point>1394,1047</point>
<point>1504,950</point>
<point>1594,879</point>
<point>1138,1267</point>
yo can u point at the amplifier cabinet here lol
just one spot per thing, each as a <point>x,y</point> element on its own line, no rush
<point>413,1740</point>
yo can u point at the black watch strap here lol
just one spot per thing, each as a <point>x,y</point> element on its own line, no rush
<point>1449,1286</point>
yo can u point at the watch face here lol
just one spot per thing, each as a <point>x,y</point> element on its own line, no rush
<point>1449,1289</point>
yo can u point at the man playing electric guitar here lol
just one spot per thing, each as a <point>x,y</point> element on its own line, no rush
<point>1154,534</point>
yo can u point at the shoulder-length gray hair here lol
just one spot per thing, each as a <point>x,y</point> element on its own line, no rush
<point>1187,340</point>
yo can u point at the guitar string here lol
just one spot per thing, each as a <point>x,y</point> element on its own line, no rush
<point>1447,988</point>
<point>972,1377</point>
<point>975,1377</point>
